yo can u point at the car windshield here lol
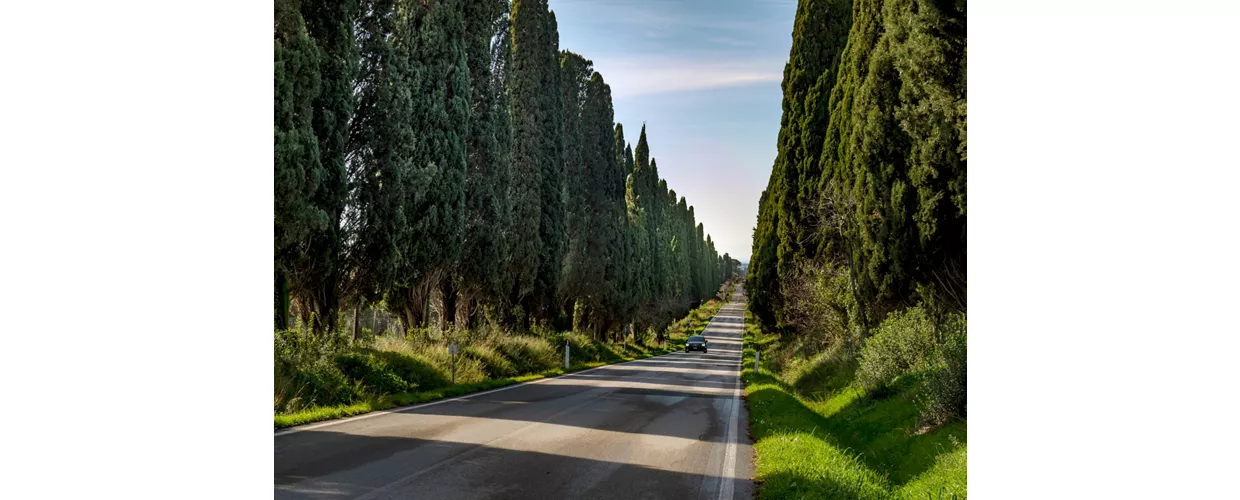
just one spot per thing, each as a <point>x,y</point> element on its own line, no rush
<point>697,338</point>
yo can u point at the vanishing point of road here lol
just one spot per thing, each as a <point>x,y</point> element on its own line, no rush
<point>671,426</point>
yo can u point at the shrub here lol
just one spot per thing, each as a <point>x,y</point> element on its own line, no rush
<point>320,385</point>
<point>945,395</point>
<point>528,354</point>
<point>372,372</point>
<point>901,344</point>
<point>302,347</point>
<point>304,373</point>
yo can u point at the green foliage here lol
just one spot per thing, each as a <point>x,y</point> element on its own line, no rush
<point>946,391</point>
<point>824,374</point>
<point>480,271</point>
<point>416,370</point>
<point>297,162</point>
<point>449,151</point>
<point>493,362</point>
<point>581,346</point>
<point>322,377</point>
<point>529,354</point>
<point>870,171</point>
<point>372,373</point>
<point>320,385</point>
<point>538,131</point>
<point>828,437</point>
<point>304,372</point>
<point>315,265</point>
<point>902,344</point>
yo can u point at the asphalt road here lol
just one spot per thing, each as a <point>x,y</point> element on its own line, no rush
<point>672,427</point>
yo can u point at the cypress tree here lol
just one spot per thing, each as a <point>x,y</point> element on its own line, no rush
<point>596,200</point>
<point>580,270</point>
<point>320,266</point>
<point>538,170</point>
<point>433,41</point>
<point>480,270</point>
<point>380,140</point>
<point>762,284</point>
<point>890,173</point>
<point>299,171</point>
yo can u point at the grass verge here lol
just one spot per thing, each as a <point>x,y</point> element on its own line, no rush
<point>838,440</point>
<point>629,352</point>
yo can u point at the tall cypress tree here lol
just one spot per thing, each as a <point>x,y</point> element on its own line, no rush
<point>380,140</point>
<point>787,213</point>
<point>596,197</point>
<point>528,125</point>
<point>890,173</point>
<point>299,171</point>
<point>433,41</point>
<point>538,134</point>
<point>580,271</point>
<point>480,270</point>
<point>320,268</point>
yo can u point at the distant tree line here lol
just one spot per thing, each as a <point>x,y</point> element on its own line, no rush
<point>866,199</point>
<point>451,149</point>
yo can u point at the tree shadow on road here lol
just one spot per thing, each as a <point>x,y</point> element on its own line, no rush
<point>324,464</point>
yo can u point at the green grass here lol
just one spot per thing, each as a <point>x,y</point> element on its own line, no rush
<point>822,436</point>
<point>318,380</point>
<point>630,352</point>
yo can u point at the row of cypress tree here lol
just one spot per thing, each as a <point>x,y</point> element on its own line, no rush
<point>870,172</point>
<point>451,149</point>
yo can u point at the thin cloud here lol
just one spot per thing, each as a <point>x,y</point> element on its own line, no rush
<point>630,77</point>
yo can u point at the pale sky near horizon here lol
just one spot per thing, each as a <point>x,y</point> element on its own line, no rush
<point>704,76</point>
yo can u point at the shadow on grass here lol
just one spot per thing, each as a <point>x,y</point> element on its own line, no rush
<point>799,486</point>
<point>880,432</point>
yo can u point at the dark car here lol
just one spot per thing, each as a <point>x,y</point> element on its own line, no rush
<point>696,343</point>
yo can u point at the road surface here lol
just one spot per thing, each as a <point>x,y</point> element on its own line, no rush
<point>671,426</point>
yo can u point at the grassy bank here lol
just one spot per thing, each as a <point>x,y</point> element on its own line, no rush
<point>327,378</point>
<point>819,432</point>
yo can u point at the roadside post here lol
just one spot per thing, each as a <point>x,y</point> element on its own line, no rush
<point>565,354</point>
<point>452,351</point>
<point>756,356</point>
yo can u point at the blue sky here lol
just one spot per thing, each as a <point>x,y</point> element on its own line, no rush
<point>704,76</point>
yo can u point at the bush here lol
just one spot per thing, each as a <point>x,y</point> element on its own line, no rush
<point>320,385</point>
<point>372,372</point>
<point>302,347</point>
<point>528,354</point>
<point>901,344</point>
<point>304,373</point>
<point>945,395</point>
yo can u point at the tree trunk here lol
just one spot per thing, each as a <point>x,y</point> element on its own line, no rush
<point>355,318</point>
<point>852,278</point>
<point>450,295</point>
<point>282,301</point>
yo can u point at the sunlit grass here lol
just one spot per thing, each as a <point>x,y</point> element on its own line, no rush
<point>825,437</point>
<point>609,354</point>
